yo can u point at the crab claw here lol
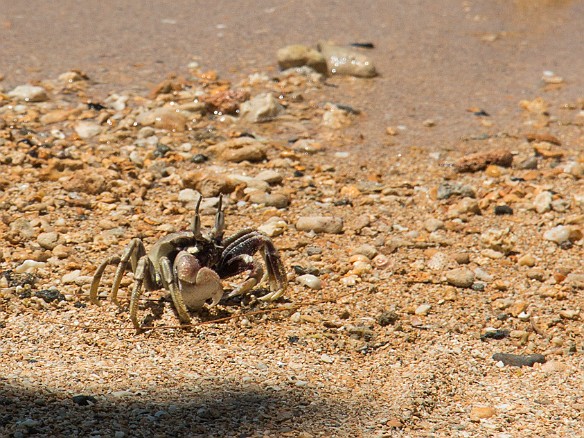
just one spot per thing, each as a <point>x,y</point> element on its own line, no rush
<point>196,284</point>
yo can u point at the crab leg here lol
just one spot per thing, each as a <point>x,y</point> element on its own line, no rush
<point>248,242</point>
<point>170,284</point>
<point>143,269</point>
<point>97,277</point>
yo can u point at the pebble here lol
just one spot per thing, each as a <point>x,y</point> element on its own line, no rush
<point>87,129</point>
<point>335,117</point>
<point>423,309</point>
<point>575,280</point>
<point>326,358</point>
<point>261,108</point>
<point>367,250</point>
<point>466,206</point>
<point>553,366</point>
<point>559,234</point>
<point>278,200</point>
<point>28,267</point>
<point>320,224</point>
<point>297,55</point>
<point>62,251</point>
<point>460,277</point>
<point>478,413</point>
<point>48,240</point>
<point>501,210</point>
<point>29,93</point>
<point>239,149</point>
<point>480,160</point>
<point>309,280</point>
<point>526,260</point>
<point>462,258</point>
<point>346,61</point>
<point>209,183</point>
<point>71,277</point>
<point>449,189</point>
<point>273,227</point>
<point>188,196</point>
<point>483,275</point>
<point>438,261</point>
<point>24,228</point>
<point>518,360</point>
<point>433,224</point>
<point>500,240</point>
<point>270,176</point>
<point>543,202</point>
<point>163,118</point>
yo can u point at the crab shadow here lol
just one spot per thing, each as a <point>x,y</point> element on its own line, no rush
<point>217,408</point>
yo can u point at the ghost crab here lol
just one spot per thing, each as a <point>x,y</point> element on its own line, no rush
<point>190,265</point>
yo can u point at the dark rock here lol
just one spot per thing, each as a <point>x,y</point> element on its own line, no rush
<point>503,209</point>
<point>495,334</point>
<point>387,318</point>
<point>519,360</point>
<point>84,400</point>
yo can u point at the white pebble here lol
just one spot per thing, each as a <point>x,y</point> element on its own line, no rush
<point>557,234</point>
<point>543,202</point>
<point>71,277</point>
<point>29,267</point>
<point>85,129</point>
<point>423,309</point>
<point>327,359</point>
<point>309,280</point>
<point>188,195</point>
<point>29,93</point>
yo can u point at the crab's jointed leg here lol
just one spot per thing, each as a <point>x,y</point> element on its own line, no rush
<point>131,255</point>
<point>237,258</point>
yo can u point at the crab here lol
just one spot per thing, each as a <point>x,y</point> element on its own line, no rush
<point>190,265</point>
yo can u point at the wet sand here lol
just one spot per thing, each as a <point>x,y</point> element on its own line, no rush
<point>436,58</point>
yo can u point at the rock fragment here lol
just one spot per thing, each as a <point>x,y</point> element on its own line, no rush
<point>261,108</point>
<point>87,129</point>
<point>519,360</point>
<point>320,224</point>
<point>239,149</point>
<point>298,55</point>
<point>346,61</point>
<point>29,93</point>
<point>480,160</point>
<point>460,277</point>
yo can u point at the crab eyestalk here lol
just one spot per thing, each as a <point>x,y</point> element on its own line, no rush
<point>197,220</point>
<point>219,221</point>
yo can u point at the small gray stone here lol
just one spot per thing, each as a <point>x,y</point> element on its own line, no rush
<point>449,189</point>
<point>87,129</point>
<point>261,108</point>
<point>460,277</point>
<point>48,240</point>
<point>269,176</point>
<point>24,228</point>
<point>543,202</point>
<point>29,93</point>
<point>518,360</point>
<point>320,224</point>
<point>433,224</point>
